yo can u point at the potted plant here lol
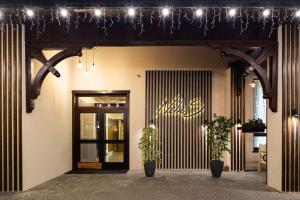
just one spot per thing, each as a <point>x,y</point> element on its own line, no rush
<point>217,139</point>
<point>149,146</point>
<point>254,125</point>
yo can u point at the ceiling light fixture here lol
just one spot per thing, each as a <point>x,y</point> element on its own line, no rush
<point>29,13</point>
<point>64,12</point>
<point>199,12</point>
<point>232,12</point>
<point>165,12</point>
<point>266,13</point>
<point>131,12</point>
<point>97,12</point>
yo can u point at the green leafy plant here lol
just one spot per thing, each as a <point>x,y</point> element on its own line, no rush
<point>254,125</point>
<point>218,136</point>
<point>149,144</point>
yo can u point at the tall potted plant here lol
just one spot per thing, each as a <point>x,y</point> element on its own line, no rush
<point>217,139</point>
<point>149,146</point>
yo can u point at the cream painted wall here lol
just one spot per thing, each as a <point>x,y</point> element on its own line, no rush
<point>47,131</point>
<point>47,138</point>
<point>274,139</point>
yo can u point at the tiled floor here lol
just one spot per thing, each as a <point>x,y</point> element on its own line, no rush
<point>196,185</point>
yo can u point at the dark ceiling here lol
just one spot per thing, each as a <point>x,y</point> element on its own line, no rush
<point>150,3</point>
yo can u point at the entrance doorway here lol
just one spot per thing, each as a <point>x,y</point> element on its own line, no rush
<point>100,130</point>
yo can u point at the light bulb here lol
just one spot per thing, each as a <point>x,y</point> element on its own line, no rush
<point>1,15</point>
<point>199,12</point>
<point>79,65</point>
<point>165,12</point>
<point>64,12</point>
<point>97,12</point>
<point>29,13</point>
<point>86,73</point>
<point>93,67</point>
<point>297,14</point>
<point>232,12</point>
<point>266,13</point>
<point>131,12</point>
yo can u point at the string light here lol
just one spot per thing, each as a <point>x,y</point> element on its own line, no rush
<point>79,65</point>
<point>93,68</point>
<point>297,14</point>
<point>178,17</point>
<point>64,12</point>
<point>165,12</point>
<point>29,13</point>
<point>86,63</point>
<point>266,13</point>
<point>199,12</point>
<point>232,12</point>
<point>131,12</point>
<point>97,12</point>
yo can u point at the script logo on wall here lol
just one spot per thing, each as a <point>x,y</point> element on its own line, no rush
<point>177,106</point>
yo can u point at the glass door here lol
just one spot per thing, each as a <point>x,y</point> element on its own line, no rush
<point>114,140</point>
<point>100,136</point>
<point>89,141</point>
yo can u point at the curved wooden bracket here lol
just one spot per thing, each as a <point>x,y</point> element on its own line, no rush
<point>34,88</point>
<point>269,84</point>
<point>257,69</point>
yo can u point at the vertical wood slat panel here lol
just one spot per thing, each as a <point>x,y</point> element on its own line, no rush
<point>237,113</point>
<point>10,107</point>
<point>290,125</point>
<point>181,140</point>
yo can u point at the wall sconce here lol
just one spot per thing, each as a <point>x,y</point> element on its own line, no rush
<point>295,113</point>
<point>238,124</point>
<point>253,83</point>
<point>152,125</point>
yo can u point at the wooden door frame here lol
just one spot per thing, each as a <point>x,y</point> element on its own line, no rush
<point>80,93</point>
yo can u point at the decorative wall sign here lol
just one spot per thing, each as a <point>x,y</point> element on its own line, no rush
<point>178,103</point>
<point>176,106</point>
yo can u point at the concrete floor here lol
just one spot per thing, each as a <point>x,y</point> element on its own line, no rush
<point>165,185</point>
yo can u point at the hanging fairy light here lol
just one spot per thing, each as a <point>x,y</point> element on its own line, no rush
<point>232,12</point>
<point>131,12</point>
<point>266,13</point>
<point>297,13</point>
<point>64,12</point>
<point>199,12</point>
<point>86,73</point>
<point>168,18</point>
<point>97,12</point>
<point>165,12</point>
<point>79,64</point>
<point>93,68</point>
<point>29,13</point>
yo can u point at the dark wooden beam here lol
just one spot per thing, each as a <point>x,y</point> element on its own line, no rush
<point>269,85</point>
<point>34,88</point>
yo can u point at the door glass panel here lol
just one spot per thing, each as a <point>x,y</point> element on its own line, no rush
<point>114,152</point>
<point>102,101</point>
<point>89,153</point>
<point>88,126</point>
<point>114,127</point>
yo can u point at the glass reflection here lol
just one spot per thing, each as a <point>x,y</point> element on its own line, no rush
<point>88,126</point>
<point>89,153</point>
<point>114,152</point>
<point>114,126</point>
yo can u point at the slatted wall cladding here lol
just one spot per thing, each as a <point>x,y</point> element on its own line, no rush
<point>290,90</point>
<point>10,108</point>
<point>178,102</point>
<point>238,117</point>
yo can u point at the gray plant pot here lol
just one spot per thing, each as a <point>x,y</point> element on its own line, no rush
<point>149,168</point>
<point>216,168</point>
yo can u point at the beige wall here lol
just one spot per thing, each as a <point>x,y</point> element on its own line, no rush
<point>47,131</point>
<point>274,139</point>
